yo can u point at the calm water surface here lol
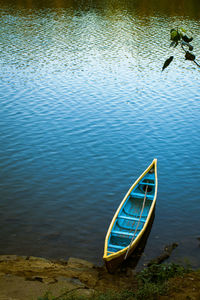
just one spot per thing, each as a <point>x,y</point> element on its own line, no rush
<point>84,108</point>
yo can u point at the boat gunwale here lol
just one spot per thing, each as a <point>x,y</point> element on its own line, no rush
<point>137,239</point>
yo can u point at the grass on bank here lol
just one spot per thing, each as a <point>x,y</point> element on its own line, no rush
<point>152,282</point>
<point>109,295</point>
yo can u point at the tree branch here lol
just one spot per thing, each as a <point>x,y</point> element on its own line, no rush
<point>197,63</point>
<point>183,48</point>
<point>193,60</point>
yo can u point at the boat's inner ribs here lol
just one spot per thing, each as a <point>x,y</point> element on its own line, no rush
<point>130,222</point>
<point>145,187</point>
<point>130,218</point>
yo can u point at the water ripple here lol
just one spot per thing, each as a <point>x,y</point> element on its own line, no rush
<point>84,108</point>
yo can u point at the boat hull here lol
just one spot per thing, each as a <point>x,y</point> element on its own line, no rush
<point>114,264</point>
<point>138,248</point>
<point>131,219</point>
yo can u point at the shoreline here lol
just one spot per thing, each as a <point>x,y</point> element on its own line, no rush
<point>28,277</point>
<point>34,276</point>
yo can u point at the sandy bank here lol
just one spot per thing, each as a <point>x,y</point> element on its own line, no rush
<point>24,278</point>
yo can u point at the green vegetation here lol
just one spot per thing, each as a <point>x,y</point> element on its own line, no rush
<point>178,37</point>
<point>109,295</point>
<point>152,282</point>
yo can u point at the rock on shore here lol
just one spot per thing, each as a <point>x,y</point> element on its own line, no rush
<point>27,277</point>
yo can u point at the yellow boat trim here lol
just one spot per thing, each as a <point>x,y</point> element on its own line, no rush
<point>135,242</point>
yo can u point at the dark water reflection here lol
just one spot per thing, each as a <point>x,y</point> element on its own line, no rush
<point>84,108</point>
<point>181,8</point>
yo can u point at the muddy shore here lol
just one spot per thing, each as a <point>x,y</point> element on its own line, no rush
<point>23,278</point>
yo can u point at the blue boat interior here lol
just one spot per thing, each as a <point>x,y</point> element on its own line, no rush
<point>130,221</point>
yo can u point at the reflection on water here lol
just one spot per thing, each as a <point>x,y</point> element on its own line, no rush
<point>183,8</point>
<point>84,108</point>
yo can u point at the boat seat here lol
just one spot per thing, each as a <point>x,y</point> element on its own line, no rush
<point>140,195</point>
<point>143,215</point>
<point>121,226</point>
<point>149,177</point>
<point>130,218</point>
<point>147,183</point>
<point>115,246</point>
<point>124,233</point>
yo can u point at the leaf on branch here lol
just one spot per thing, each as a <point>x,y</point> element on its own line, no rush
<point>182,29</point>
<point>173,44</point>
<point>188,45</point>
<point>167,62</point>
<point>189,56</point>
<point>187,39</point>
<point>175,36</point>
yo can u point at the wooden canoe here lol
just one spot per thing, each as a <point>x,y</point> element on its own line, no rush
<point>131,219</point>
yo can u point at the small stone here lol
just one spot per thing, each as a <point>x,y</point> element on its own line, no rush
<point>5,258</point>
<point>40,259</point>
<point>89,278</point>
<point>48,280</point>
<point>72,280</point>
<point>35,278</point>
<point>84,292</point>
<point>78,263</point>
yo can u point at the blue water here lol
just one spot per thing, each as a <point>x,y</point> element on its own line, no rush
<point>84,109</point>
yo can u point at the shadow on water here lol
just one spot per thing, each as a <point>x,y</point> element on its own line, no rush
<point>135,257</point>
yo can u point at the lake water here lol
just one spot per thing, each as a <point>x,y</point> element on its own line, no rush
<point>84,109</point>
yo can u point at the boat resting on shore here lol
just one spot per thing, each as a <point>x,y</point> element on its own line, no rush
<point>131,218</point>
